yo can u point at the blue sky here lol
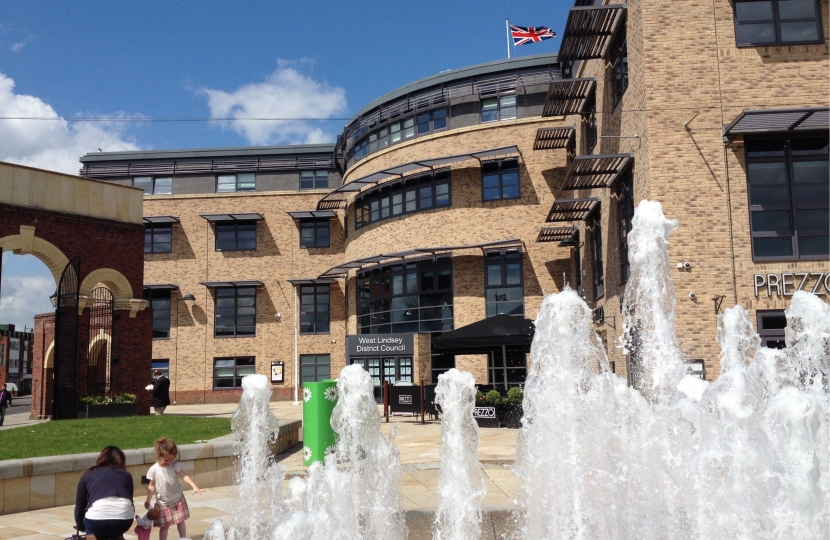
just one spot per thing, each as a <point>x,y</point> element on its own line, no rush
<point>212,59</point>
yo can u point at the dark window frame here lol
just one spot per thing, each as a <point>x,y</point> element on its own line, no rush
<point>161,324</point>
<point>776,22</point>
<point>792,206</point>
<point>367,143</point>
<point>768,335</point>
<point>217,294</point>
<point>505,257</point>
<point>152,187</point>
<point>594,225</point>
<point>236,183</point>
<point>619,66</point>
<point>317,179</point>
<point>152,230</point>
<point>433,180</point>
<point>502,169</point>
<point>318,326</point>
<point>500,107</point>
<point>315,364</point>
<point>237,227</point>
<point>316,225</point>
<point>625,214</point>
<point>236,378</point>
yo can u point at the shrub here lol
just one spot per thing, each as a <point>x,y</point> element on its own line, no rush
<point>125,398</point>
<point>493,398</point>
<point>104,400</point>
<point>515,395</point>
<point>479,397</point>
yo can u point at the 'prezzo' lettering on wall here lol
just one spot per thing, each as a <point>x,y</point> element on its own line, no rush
<point>785,284</point>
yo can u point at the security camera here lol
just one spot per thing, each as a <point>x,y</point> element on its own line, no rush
<point>692,295</point>
<point>687,265</point>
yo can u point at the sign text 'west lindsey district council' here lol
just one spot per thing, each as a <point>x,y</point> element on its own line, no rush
<point>787,283</point>
<point>371,344</point>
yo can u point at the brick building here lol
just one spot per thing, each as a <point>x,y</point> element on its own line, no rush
<point>478,191</point>
<point>16,358</point>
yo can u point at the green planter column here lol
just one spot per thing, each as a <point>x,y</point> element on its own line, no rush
<point>319,399</point>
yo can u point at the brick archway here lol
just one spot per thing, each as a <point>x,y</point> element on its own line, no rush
<point>26,243</point>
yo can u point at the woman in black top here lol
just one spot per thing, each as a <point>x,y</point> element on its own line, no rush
<point>104,501</point>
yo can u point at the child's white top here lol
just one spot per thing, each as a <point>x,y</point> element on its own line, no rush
<point>168,489</point>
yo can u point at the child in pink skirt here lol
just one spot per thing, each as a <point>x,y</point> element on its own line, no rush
<point>164,482</point>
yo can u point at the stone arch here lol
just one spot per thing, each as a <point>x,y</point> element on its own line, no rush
<point>26,243</point>
<point>114,280</point>
<point>98,342</point>
<point>49,357</point>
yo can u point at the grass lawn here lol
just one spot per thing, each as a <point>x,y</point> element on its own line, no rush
<point>80,436</point>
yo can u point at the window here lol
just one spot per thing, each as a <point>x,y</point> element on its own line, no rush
<point>397,369</point>
<point>625,213</point>
<point>161,365</point>
<point>415,194</point>
<point>500,180</point>
<point>619,66</point>
<point>228,372</point>
<point>315,367</point>
<point>371,365</point>
<point>230,183</point>
<point>160,304</point>
<point>514,370</point>
<point>235,313</point>
<point>314,233</point>
<point>158,238</point>
<point>440,363</point>
<point>432,121</point>
<point>771,327</point>
<point>504,286</point>
<point>498,108</point>
<point>788,197</point>
<point>777,22</point>
<point>415,296</point>
<point>399,131</point>
<point>314,309</point>
<point>236,236</point>
<point>596,255</point>
<point>154,186</point>
<point>314,179</point>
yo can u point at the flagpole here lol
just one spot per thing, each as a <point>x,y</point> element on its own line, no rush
<point>507,33</point>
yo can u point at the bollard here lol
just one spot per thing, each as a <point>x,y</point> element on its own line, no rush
<point>319,439</point>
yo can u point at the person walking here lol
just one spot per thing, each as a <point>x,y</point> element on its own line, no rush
<point>160,394</point>
<point>104,499</point>
<point>5,403</point>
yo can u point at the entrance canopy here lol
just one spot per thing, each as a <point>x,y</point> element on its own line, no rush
<point>487,335</point>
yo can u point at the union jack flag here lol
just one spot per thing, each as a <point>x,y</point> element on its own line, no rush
<point>522,35</point>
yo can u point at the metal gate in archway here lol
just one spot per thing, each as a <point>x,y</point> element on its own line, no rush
<point>99,359</point>
<point>66,342</point>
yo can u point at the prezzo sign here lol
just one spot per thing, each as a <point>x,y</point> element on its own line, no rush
<point>785,284</point>
<point>405,400</point>
<point>369,344</point>
<point>484,412</point>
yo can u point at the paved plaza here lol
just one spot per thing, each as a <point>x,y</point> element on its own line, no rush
<point>418,445</point>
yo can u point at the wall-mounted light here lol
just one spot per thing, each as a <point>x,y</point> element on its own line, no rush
<point>54,299</point>
<point>188,298</point>
<point>278,315</point>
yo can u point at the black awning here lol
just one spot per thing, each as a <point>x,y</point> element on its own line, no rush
<point>600,171</point>
<point>778,121</point>
<point>161,286</point>
<point>215,284</point>
<point>316,281</point>
<point>487,335</point>
<point>568,96</point>
<point>315,214</point>
<point>556,234</point>
<point>338,196</point>
<point>248,216</point>
<point>572,209</point>
<point>554,138</point>
<point>160,219</point>
<point>589,31</point>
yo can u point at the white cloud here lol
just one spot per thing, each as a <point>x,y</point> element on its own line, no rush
<point>50,144</point>
<point>17,47</point>
<point>286,93</point>
<point>23,298</point>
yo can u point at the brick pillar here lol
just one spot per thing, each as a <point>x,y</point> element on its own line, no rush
<point>132,355</point>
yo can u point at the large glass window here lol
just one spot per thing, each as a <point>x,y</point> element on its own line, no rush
<point>314,233</point>
<point>625,215</point>
<point>504,284</point>
<point>314,179</point>
<point>236,236</point>
<point>235,313</point>
<point>315,367</point>
<point>228,372</point>
<point>230,183</point>
<point>160,304</point>
<point>396,132</point>
<point>777,22</point>
<point>154,186</point>
<point>500,180</point>
<point>158,238</point>
<point>789,197</point>
<point>314,309</point>
<point>619,66</point>
<point>431,121</point>
<point>771,327</point>
<point>415,296</point>
<point>513,369</point>
<point>597,270</point>
<point>498,108</point>
<point>415,194</point>
<point>371,365</point>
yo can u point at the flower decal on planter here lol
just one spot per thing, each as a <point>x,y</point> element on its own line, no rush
<point>331,450</point>
<point>331,393</point>
<point>306,453</point>
<point>306,394</point>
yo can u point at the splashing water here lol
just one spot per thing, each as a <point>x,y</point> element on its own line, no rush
<point>743,457</point>
<point>461,485</point>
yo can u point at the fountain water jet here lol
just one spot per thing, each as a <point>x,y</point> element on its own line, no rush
<point>461,484</point>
